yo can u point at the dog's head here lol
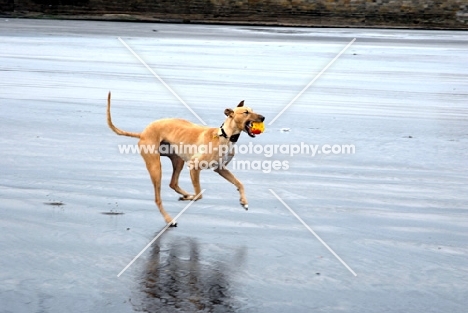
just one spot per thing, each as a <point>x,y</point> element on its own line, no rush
<point>242,117</point>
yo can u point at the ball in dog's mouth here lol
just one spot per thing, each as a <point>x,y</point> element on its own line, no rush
<point>257,128</point>
<point>254,128</point>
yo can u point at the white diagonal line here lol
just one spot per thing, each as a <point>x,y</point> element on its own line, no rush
<point>162,81</point>
<point>312,81</point>
<point>313,233</point>
<point>160,233</point>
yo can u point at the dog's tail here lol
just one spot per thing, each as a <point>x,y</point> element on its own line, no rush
<point>115,129</point>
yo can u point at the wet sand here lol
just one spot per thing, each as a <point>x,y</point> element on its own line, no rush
<point>74,211</point>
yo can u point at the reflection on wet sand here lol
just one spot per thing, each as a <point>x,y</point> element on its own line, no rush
<point>177,279</point>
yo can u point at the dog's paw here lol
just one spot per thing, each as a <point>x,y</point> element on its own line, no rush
<point>245,206</point>
<point>173,224</point>
<point>190,198</point>
<point>186,198</point>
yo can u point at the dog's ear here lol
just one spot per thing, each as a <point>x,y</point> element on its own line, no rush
<point>228,112</point>
<point>241,104</point>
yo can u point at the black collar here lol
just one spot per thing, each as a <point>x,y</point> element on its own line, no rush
<point>233,138</point>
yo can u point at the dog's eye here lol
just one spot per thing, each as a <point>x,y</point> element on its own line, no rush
<point>246,112</point>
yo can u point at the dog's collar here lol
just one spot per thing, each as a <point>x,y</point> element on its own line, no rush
<point>222,133</point>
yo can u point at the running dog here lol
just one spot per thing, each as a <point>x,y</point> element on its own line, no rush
<point>165,135</point>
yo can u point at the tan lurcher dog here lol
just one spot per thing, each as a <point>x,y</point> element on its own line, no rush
<point>179,139</point>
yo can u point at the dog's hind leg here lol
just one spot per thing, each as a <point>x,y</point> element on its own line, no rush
<point>153,164</point>
<point>232,179</point>
<point>195,176</point>
<point>177,167</point>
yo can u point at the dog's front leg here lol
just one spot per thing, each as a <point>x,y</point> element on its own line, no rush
<point>232,179</point>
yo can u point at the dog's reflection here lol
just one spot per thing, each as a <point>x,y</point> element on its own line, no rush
<point>177,279</point>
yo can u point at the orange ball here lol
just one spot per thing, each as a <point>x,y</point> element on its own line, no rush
<point>257,128</point>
